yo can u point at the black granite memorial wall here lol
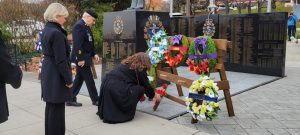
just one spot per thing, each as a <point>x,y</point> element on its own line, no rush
<point>125,33</point>
<point>258,40</point>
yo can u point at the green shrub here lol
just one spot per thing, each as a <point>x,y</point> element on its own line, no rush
<point>98,28</point>
<point>5,33</point>
<point>26,47</point>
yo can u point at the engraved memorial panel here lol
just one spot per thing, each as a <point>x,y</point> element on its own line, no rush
<point>124,33</point>
<point>258,40</point>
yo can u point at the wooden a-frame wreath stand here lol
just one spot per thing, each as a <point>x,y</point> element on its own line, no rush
<point>223,84</point>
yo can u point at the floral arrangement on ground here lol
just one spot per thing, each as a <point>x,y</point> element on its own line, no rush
<point>202,101</point>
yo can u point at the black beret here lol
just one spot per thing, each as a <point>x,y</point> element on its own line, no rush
<point>92,13</point>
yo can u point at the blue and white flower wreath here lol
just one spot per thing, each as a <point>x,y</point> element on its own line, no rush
<point>157,46</point>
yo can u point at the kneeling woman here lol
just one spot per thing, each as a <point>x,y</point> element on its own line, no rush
<point>122,88</point>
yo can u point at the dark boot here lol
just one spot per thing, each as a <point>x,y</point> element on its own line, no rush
<point>73,103</point>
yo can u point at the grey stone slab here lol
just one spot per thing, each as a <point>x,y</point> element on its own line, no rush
<point>30,129</point>
<point>275,131</point>
<point>167,109</point>
<point>174,120</point>
<point>186,119</point>
<point>286,115</point>
<point>79,120</point>
<point>247,123</point>
<point>258,131</point>
<point>291,123</point>
<point>245,116</point>
<point>230,130</point>
<point>269,123</point>
<point>224,121</point>
<point>142,124</point>
<point>19,118</point>
<point>294,131</point>
<point>192,126</point>
<point>210,129</point>
<point>266,115</point>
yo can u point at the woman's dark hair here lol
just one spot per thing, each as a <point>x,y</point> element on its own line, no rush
<point>138,61</point>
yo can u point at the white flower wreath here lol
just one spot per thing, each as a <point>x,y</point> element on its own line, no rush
<point>202,100</point>
<point>157,46</point>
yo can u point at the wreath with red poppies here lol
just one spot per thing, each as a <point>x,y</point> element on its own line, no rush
<point>202,55</point>
<point>179,44</point>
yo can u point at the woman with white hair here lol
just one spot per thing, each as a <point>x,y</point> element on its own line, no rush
<point>56,76</point>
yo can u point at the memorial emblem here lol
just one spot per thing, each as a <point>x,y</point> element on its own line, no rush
<point>118,25</point>
<point>209,27</point>
<point>152,26</point>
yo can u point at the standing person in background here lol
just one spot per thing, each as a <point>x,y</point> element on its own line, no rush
<point>82,54</point>
<point>291,25</point>
<point>296,19</point>
<point>56,78</point>
<point>9,74</point>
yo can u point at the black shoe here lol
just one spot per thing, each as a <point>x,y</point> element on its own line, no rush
<point>95,103</point>
<point>73,104</point>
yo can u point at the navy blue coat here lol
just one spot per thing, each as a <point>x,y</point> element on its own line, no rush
<point>8,74</point>
<point>83,43</point>
<point>56,68</point>
<point>120,91</point>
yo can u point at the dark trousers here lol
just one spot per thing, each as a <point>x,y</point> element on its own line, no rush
<point>84,74</point>
<point>291,31</point>
<point>55,119</point>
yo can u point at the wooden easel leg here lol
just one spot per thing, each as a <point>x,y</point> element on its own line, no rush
<point>194,120</point>
<point>179,88</point>
<point>228,102</point>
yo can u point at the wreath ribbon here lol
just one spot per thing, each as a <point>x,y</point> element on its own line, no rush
<point>178,48</point>
<point>203,56</point>
<point>202,97</point>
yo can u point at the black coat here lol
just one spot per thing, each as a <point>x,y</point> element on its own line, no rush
<point>8,74</point>
<point>83,43</point>
<point>120,91</point>
<point>56,69</point>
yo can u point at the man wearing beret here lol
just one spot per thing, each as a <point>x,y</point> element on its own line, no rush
<point>82,55</point>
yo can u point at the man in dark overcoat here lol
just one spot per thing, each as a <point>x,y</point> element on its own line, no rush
<point>9,74</point>
<point>83,53</point>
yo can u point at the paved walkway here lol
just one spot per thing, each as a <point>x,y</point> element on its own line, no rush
<point>27,117</point>
<point>270,109</point>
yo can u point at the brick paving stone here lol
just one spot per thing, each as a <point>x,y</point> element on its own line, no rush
<point>269,123</point>
<point>210,129</point>
<point>258,131</point>
<point>294,131</point>
<point>291,123</point>
<point>275,131</point>
<point>247,123</point>
<point>230,130</point>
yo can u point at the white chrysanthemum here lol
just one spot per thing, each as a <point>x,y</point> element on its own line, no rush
<point>209,108</point>
<point>211,94</point>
